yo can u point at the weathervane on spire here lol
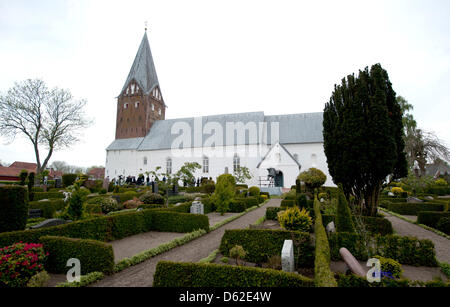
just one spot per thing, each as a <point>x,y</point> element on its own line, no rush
<point>146,26</point>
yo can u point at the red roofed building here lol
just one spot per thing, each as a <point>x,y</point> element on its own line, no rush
<point>97,173</point>
<point>12,172</point>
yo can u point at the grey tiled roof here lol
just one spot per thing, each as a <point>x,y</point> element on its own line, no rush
<point>143,69</point>
<point>293,128</point>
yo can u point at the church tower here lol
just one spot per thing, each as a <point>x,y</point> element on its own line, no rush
<point>140,102</point>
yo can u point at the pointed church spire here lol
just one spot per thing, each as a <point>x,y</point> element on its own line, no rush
<point>143,69</point>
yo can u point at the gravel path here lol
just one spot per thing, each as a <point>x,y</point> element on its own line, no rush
<point>141,275</point>
<point>403,228</point>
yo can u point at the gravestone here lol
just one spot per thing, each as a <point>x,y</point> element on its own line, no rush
<point>197,208</point>
<point>287,256</point>
<point>429,197</point>
<point>413,200</point>
<point>49,223</point>
<point>58,183</point>
<point>351,262</point>
<point>391,194</point>
<point>34,213</point>
<point>330,227</point>
<point>154,187</point>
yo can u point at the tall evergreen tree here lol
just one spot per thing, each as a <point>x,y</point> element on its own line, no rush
<point>363,136</point>
<point>344,222</point>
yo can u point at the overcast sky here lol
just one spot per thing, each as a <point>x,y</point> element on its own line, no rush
<point>217,57</point>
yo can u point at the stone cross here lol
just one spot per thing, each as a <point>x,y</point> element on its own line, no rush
<point>287,256</point>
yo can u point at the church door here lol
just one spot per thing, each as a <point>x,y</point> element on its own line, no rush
<point>279,182</point>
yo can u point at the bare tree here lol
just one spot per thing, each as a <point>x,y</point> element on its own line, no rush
<point>51,118</point>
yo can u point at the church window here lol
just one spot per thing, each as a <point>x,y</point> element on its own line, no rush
<point>125,106</point>
<point>169,166</point>
<point>296,157</point>
<point>205,164</point>
<point>136,104</point>
<point>153,107</point>
<point>159,111</point>
<point>313,160</point>
<point>236,162</point>
<point>145,160</point>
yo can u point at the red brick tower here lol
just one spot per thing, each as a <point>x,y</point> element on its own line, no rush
<point>140,103</point>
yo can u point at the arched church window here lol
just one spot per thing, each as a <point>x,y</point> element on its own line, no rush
<point>145,160</point>
<point>313,160</point>
<point>236,162</point>
<point>169,166</point>
<point>153,107</point>
<point>159,111</point>
<point>136,104</point>
<point>205,164</point>
<point>125,106</point>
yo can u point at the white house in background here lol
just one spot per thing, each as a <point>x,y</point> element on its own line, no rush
<point>219,143</point>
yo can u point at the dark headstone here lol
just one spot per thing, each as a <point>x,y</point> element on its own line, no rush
<point>34,213</point>
<point>58,183</point>
<point>49,223</point>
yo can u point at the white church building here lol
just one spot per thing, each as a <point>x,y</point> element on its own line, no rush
<point>283,144</point>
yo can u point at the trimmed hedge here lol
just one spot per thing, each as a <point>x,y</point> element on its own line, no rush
<point>414,208</point>
<point>48,207</point>
<point>406,250</point>
<point>272,213</point>
<point>378,225</point>
<point>431,218</point>
<point>13,208</point>
<point>172,274</point>
<point>261,244</point>
<point>68,179</point>
<point>113,227</point>
<point>323,277</point>
<point>344,221</point>
<point>94,256</point>
<point>237,205</point>
<point>287,203</point>
<point>47,195</point>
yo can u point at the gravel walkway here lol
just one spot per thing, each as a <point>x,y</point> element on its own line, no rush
<point>403,228</point>
<point>141,275</point>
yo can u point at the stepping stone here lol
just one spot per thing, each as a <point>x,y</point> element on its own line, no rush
<point>352,263</point>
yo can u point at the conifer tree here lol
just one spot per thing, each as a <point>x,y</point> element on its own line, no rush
<point>344,222</point>
<point>363,136</point>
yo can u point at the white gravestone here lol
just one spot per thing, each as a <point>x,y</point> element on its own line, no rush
<point>287,256</point>
<point>197,207</point>
<point>331,227</point>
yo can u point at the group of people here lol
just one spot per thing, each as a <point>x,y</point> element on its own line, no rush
<point>142,180</point>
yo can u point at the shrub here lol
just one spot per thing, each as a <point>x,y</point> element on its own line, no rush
<point>78,196</point>
<point>208,188</point>
<point>68,179</point>
<point>39,280</point>
<point>254,191</point>
<point>19,262</point>
<point>132,203</point>
<point>444,225</point>
<point>13,208</point>
<point>237,252</point>
<point>94,256</point>
<point>344,222</point>
<point>93,209</point>
<point>102,191</point>
<point>390,266</point>
<point>47,195</point>
<point>295,219</point>
<point>151,198</point>
<point>313,178</point>
<point>322,274</point>
<point>172,274</point>
<point>272,213</point>
<point>441,182</point>
<point>431,218</point>
<point>224,193</point>
<point>397,191</point>
<point>287,203</point>
<point>261,244</point>
<point>237,206</point>
<point>178,222</point>
<point>48,207</point>
<point>108,204</point>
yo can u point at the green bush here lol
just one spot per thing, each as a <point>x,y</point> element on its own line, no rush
<point>108,204</point>
<point>237,205</point>
<point>254,191</point>
<point>93,208</point>
<point>265,193</point>
<point>295,219</point>
<point>208,188</point>
<point>261,244</point>
<point>313,178</point>
<point>406,250</point>
<point>344,222</point>
<point>37,189</point>
<point>444,225</point>
<point>94,256</point>
<point>47,195</point>
<point>323,276</point>
<point>431,218</point>
<point>224,193</point>
<point>287,203</point>
<point>375,225</point>
<point>151,198</point>
<point>68,179</point>
<point>414,208</point>
<point>354,281</point>
<point>272,213</point>
<point>302,200</point>
<point>172,274</point>
<point>13,208</point>
<point>48,207</point>
<point>39,280</point>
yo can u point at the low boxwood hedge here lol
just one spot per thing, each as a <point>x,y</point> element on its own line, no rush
<point>47,195</point>
<point>378,225</point>
<point>179,222</point>
<point>431,218</point>
<point>406,250</point>
<point>414,208</point>
<point>172,274</point>
<point>272,213</point>
<point>261,244</point>
<point>94,256</point>
<point>287,203</point>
